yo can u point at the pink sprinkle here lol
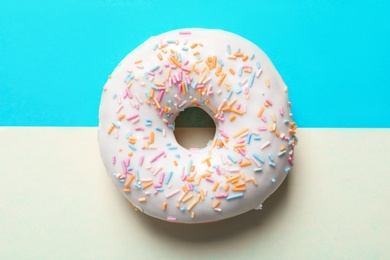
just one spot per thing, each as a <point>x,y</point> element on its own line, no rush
<point>132,117</point>
<point>268,102</point>
<point>114,159</point>
<point>209,179</point>
<point>185,32</point>
<point>186,62</point>
<point>223,133</point>
<point>171,218</point>
<point>177,97</point>
<point>262,129</point>
<point>264,119</point>
<point>160,112</point>
<point>138,98</point>
<point>241,152</point>
<point>160,71</point>
<point>173,193</point>
<point>258,73</point>
<point>151,73</point>
<point>141,160</point>
<point>162,176</point>
<point>157,156</point>
<point>160,95</point>
<point>157,185</point>
<point>281,111</point>
<point>221,195</point>
<point>185,69</point>
<point>218,171</point>
<point>265,145</point>
<point>129,93</point>
<point>139,129</point>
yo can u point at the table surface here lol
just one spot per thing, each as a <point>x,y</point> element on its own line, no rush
<point>57,202</point>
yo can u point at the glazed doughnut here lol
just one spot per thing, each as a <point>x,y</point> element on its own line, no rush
<point>232,80</point>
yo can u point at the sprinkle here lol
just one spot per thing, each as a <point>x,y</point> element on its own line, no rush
<point>231,158</point>
<point>184,32</point>
<point>157,156</point>
<point>169,218</point>
<point>273,180</point>
<point>235,196</point>
<point>173,193</point>
<point>240,132</point>
<point>287,170</point>
<point>265,145</point>
<point>257,157</point>
<point>221,195</point>
<point>216,204</point>
<point>142,199</point>
<point>228,49</point>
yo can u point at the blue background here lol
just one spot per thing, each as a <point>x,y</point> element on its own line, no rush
<point>55,56</point>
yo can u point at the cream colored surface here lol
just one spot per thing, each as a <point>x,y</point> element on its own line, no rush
<point>57,202</point>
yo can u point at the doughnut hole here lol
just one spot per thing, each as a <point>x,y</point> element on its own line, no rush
<point>194,128</point>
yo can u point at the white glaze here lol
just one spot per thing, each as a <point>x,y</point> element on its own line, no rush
<point>266,86</point>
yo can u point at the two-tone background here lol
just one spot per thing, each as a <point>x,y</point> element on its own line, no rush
<point>56,200</point>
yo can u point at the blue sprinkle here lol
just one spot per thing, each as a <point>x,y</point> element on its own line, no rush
<point>220,62</point>
<point>159,129</point>
<point>168,177</point>
<point>171,126</point>
<point>182,209</point>
<point>231,158</point>
<point>258,65</point>
<point>121,180</point>
<point>286,121</point>
<point>273,180</point>
<point>270,157</point>
<point>196,188</point>
<point>252,56</point>
<point>259,169</point>
<point>155,46</point>
<point>257,157</point>
<point>287,169</point>
<point>138,186</point>
<point>189,167</point>
<point>129,135</point>
<point>177,155</point>
<point>252,78</point>
<point>194,84</point>
<point>148,124</point>
<point>130,168</point>
<point>179,57</point>
<point>186,85</point>
<point>132,147</point>
<point>271,164</point>
<point>146,75</point>
<point>229,94</point>
<point>160,189</point>
<point>228,49</point>
<point>116,124</point>
<point>184,49</point>
<point>155,68</point>
<point>170,103</point>
<point>148,120</point>
<point>171,41</point>
<point>238,91</point>
<point>172,148</point>
<point>154,87</point>
<point>240,71</point>
<point>114,96</point>
<point>248,139</point>
<point>257,138</point>
<point>168,144</point>
<point>137,175</point>
<point>147,95</point>
<point>281,153</point>
<point>240,84</point>
<point>235,196</point>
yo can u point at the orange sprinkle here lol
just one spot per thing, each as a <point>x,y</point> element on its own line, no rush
<point>214,61</point>
<point>238,54</point>
<point>232,118</point>
<point>130,154</point>
<point>175,61</point>
<point>111,129</point>
<point>240,184</point>
<point>246,163</point>
<point>190,179</point>
<point>267,83</point>
<point>192,214</point>
<point>194,45</point>
<point>175,163</point>
<point>282,148</point>
<point>221,79</point>
<point>239,189</point>
<point>184,188</point>
<point>240,112</point>
<point>201,194</point>
<point>273,118</point>
<point>196,53</point>
<point>156,102</point>
<point>164,206</point>
<point>254,181</point>
<point>121,117</point>
<point>142,199</point>
<point>159,56</point>
<point>232,71</point>
<point>129,180</point>
<point>216,203</point>
<point>232,178</point>
<point>207,160</point>
<point>240,132</point>
<point>245,58</point>
<point>126,189</point>
<point>168,74</point>
<point>147,185</point>
<point>138,61</point>
<point>215,187</point>
<point>198,181</point>
<point>151,137</point>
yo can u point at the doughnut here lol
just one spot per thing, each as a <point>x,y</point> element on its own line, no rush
<point>235,83</point>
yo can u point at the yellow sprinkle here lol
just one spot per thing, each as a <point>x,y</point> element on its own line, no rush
<point>272,128</point>
<point>192,205</point>
<point>168,74</point>
<point>241,132</point>
<point>142,199</point>
<point>254,181</point>
<point>267,83</point>
<point>273,118</point>
<point>231,57</point>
